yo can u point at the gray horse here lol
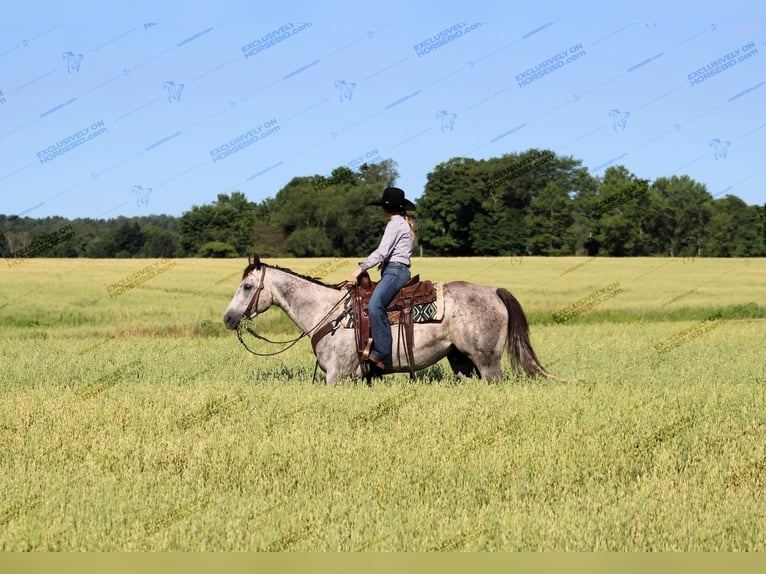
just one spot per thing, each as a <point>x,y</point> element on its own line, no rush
<point>479,323</point>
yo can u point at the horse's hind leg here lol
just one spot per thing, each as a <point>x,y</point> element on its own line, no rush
<point>486,363</point>
<point>461,365</point>
<point>488,366</point>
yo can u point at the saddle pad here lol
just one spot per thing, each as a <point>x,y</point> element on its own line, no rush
<point>432,312</point>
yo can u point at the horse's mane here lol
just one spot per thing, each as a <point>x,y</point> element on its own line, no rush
<point>255,265</point>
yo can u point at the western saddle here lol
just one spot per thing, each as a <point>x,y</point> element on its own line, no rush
<point>414,292</point>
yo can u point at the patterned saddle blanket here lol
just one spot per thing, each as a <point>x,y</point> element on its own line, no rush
<point>431,312</point>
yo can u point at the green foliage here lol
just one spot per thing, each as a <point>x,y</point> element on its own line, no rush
<point>309,242</point>
<point>449,206</point>
<point>528,203</point>
<point>620,230</point>
<point>736,229</point>
<point>683,221</point>
<point>331,216</point>
<point>548,221</point>
<point>216,249</point>
<point>516,204</point>
<point>160,242</point>
<point>126,241</point>
<point>268,240</point>
<point>229,219</point>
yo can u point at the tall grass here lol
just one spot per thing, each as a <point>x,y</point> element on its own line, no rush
<point>138,423</point>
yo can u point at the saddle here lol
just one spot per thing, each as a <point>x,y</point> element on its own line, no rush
<point>415,292</point>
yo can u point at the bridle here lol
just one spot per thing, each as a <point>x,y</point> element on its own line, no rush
<point>253,305</point>
<point>257,295</point>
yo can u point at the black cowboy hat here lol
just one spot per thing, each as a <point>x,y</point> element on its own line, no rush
<point>394,200</point>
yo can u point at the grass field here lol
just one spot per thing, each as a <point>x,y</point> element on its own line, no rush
<point>135,421</point>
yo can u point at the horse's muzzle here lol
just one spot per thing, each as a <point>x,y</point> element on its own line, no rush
<point>230,321</point>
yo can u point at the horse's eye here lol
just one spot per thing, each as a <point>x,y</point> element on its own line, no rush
<point>247,286</point>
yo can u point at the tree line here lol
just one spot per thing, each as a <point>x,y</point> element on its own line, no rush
<point>529,203</point>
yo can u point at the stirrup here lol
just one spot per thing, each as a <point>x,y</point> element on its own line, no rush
<point>367,349</point>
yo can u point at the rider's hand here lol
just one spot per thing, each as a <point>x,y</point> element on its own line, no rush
<point>354,275</point>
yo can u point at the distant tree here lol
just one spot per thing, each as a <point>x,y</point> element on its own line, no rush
<point>581,233</point>
<point>309,242</point>
<point>447,208</point>
<point>734,229</point>
<point>512,183</point>
<point>296,205</point>
<point>617,214</point>
<point>123,241</point>
<point>331,216</point>
<point>548,220</point>
<point>515,204</point>
<point>216,249</point>
<point>684,217</point>
<point>763,228</point>
<point>128,239</point>
<point>229,219</point>
<point>379,175</point>
<point>5,250</point>
<point>43,237</point>
<point>268,240</point>
<point>531,202</point>
<point>160,243</point>
<point>359,226</point>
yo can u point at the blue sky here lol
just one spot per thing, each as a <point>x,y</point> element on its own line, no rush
<point>148,108</point>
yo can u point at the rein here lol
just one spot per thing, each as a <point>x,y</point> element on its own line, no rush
<point>254,305</point>
<point>289,344</point>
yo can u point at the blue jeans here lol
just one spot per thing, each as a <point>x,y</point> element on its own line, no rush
<point>393,278</point>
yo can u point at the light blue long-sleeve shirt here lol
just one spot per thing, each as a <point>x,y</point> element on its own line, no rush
<point>396,245</point>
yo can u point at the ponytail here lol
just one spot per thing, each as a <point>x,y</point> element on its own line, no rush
<point>411,223</point>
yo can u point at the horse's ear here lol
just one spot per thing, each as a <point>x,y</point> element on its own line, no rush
<point>254,260</point>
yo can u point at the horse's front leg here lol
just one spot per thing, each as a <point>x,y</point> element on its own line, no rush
<point>333,374</point>
<point>338,360</point>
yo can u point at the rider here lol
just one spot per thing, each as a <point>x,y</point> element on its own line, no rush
<point>393,255</point>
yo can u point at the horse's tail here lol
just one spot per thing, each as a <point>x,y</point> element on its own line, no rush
<point>518,345</point>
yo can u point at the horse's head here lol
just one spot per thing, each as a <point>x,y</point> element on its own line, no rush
<point>252,296</point>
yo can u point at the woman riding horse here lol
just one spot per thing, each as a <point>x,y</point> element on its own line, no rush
<point>393,256</point>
